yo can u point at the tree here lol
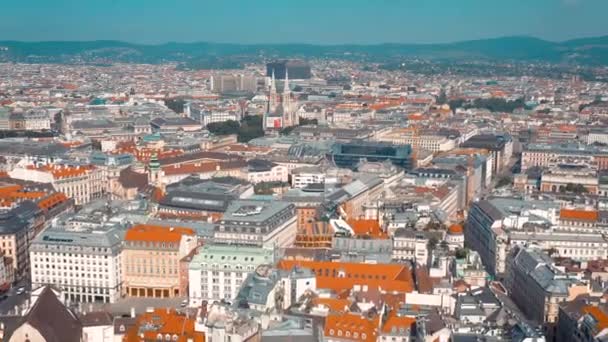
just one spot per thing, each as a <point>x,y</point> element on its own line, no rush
<point>455,104</point>
<point>251,128</point>
<point>176,105</point>
<point>461,253</point>
<point>442,98</point>
<point>574,188</point>
<point>224,128</point>
<point>305,121</point>
<point>496,104</point>
<point>504,181</point>
<point>432,243</point>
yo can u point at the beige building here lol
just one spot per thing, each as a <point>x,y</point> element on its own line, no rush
<point>151,260</point>
<point>82,183</point>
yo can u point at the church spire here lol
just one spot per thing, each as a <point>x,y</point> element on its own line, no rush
<point>273,83</point>
<point>286,87</point>
<point>272,96</point>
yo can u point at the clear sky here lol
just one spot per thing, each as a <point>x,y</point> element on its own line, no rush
<point>300,21</point>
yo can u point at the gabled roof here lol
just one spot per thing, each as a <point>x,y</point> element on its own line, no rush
<point>351,327</point>
<point>340,276</point>
<point>398,325</point>
<point>52,319</point>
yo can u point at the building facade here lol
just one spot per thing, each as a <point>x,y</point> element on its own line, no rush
<point>152,255</point>
<point>216,272</point>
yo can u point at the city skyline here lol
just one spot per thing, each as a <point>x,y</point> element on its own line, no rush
<point>245,22</point>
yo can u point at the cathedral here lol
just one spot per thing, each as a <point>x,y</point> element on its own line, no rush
<point>281,109</point>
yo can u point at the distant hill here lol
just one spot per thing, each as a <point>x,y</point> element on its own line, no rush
<point>586,51</point>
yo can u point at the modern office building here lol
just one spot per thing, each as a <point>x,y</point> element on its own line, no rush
<point>297,69</point>
<point>349,155</point>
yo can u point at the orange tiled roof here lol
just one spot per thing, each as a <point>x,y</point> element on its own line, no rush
<point>567,128</point>
<point>152,233</point>
<point>333,304</point>
<point>64,171</point>
<point>190,168</point>
<point>340,276</point>
<point>350,327</point>
<point>52,200</point>
<point>9,188</point>
<point>600,316</point>
<point>369,228</point>
<point>164,322</point>
<point>578,215</point>
<point>397,324</point>
<point>455,229</point>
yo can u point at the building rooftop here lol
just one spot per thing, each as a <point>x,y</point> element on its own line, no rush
<point>253,211</point>
<point>153,233</point>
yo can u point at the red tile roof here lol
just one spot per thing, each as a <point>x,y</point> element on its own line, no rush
<point>370,228</point>
<point>351,327</point>
<point>341,276</point>
<point>578,215</point>
<point>455,229</point>
<point>152,233</point>
<point>398,325</point>
<point>164,322</point>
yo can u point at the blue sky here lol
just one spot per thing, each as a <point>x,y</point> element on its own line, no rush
<point>299,21</point>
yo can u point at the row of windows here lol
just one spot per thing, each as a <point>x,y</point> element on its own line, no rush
<point>326,272</point>
<point>152,271</point>
<point>347,334</point>
<point>40,264</point>
<point>74,248</point>
<point>150,244</point>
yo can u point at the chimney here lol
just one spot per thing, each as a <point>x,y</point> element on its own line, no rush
<point>132,312</point>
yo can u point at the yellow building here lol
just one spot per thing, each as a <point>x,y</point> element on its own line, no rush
<point>151,260</point>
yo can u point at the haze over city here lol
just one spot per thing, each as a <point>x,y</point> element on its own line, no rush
<point>313,21</point>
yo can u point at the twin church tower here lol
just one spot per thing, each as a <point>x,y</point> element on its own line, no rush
<point>281,109</point>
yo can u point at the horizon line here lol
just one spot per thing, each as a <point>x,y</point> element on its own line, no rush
<point>299,43</point>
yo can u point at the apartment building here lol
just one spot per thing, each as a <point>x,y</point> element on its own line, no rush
<point>261,171</point>
<point>83,183</point>
<point>537,287</point>
<point>18,227</point>
<point>410,245</point>
<point>547,155</point>
<point>304,176</point>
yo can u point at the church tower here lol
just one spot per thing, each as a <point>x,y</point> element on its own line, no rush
<point>286,101</point>
<point>155,173</point>
<point>272,96</point>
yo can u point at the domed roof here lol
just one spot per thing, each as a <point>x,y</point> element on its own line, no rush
<point>455,229</point>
